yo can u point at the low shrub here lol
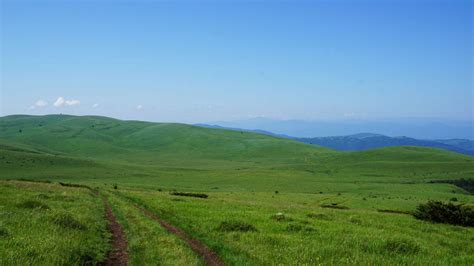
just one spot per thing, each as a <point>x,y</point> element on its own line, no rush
<point>236,226</point>
<point>449,213</point>
<point>189,194</point>
<point>33,204</point>
<point>65,220</point>
<point>466,184</point>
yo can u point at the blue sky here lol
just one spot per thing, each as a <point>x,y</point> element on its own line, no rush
<point>195,61</point>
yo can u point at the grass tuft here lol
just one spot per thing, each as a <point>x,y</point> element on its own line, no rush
<point>319,216</point>
<point>33,204</point>
<point>236,226</point>
<point>293,228</point>
<point>65,220</point>
<point>280,217</point>
<point>401,246</point>
<point>4,232</point>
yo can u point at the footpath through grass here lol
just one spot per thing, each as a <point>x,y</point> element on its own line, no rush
<point>149,243</point>
<point>269,228</point>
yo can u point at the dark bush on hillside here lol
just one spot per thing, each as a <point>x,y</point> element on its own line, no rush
<point>236,226</point>
<point>65,220</point>
<point>466,184</point>
<point>33,204</point>
<point>189,194</point>
<point>439,212</point>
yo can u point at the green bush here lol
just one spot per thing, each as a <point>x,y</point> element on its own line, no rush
<point>449,213</point>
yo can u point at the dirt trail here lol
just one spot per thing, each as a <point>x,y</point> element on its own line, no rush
<point>209,256</point>
<point>118,255</point>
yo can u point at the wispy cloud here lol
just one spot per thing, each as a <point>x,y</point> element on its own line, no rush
<point>139,107</point>
<point>39,104</point>
<point>60,102</point>
<point>95,105</point>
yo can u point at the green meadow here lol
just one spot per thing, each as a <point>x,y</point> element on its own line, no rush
<point>270,200</point>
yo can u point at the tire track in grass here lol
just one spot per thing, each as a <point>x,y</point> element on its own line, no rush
<point>118,255</point>
<point>210,257</point>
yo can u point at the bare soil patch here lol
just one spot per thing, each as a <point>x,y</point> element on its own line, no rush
<point>118,255</point>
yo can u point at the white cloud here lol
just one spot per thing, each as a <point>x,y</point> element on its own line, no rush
<point>139,107</point>
<point>60,102</point>
<point>73,102</point>
<point>39,104</point>
<point>95,105</point>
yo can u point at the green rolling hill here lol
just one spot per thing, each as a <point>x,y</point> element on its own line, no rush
<point>89,147</point>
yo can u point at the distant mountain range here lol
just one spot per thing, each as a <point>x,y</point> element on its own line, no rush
<point>366,141</point>
<point>414,127</point>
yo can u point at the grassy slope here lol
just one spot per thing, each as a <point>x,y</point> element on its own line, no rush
<point>243,171</point>
<point>65,227</point>
<point>98,149</point>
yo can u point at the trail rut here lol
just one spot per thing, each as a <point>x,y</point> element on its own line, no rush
<point>209,256</point>
<point>118,255</point>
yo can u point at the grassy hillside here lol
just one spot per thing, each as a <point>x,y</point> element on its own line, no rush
<point>270,200</point>
<point>177,155</point>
